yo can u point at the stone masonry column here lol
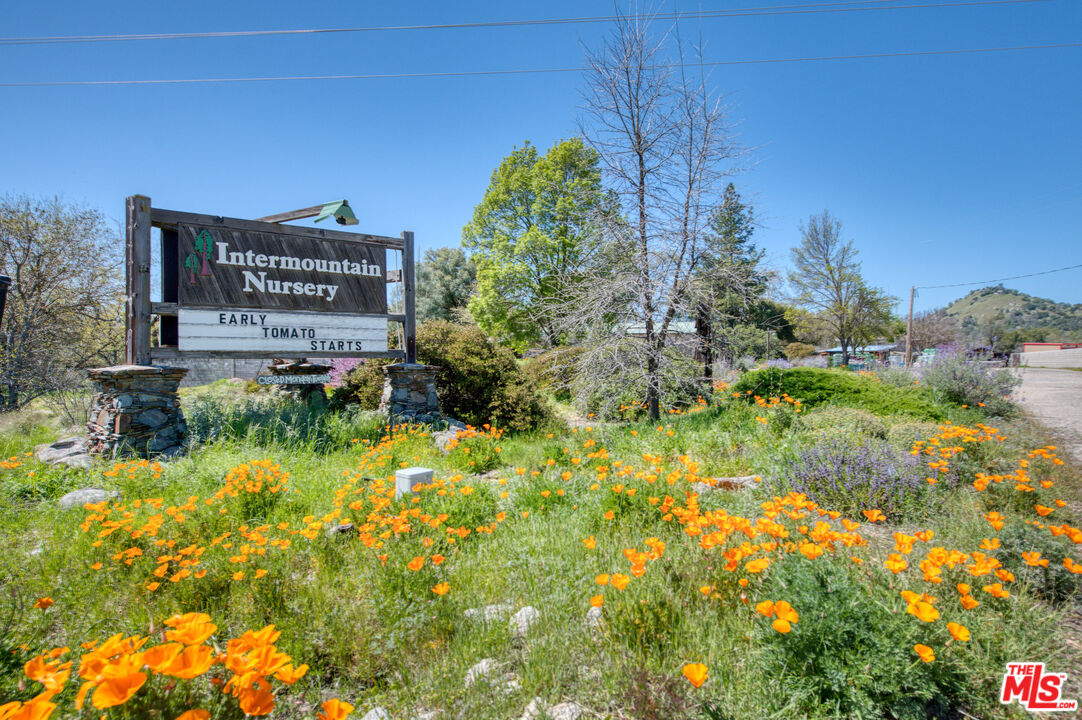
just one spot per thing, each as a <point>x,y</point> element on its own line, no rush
<point>409,393</point>
<point>137,412</point>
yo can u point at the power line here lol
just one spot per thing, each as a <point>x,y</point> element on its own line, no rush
<point>999,280</point>
<point>805,9</point>
<point>534,71</point>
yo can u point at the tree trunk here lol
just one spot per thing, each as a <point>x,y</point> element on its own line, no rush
<point>706,346</point>
<point>653,401</point>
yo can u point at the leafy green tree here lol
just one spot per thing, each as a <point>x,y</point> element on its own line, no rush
<point>64,308</point>
<point>731,283</point>
<point>445,280</point>
<point>827,279</point>
<point>531,233</point>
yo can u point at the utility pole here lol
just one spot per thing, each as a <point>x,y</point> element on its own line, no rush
<point>909,328</point>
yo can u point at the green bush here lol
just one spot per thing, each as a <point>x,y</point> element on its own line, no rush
<point>554,370</point>
<point>845,419</point>
<point>362,386</point>
<point>616,388</point>
<point>1055,583</point>
<point>964,382</point>
<point>851,653</point>
<point>812,387</point>
<point>903,435</point>
<point>479,381</point>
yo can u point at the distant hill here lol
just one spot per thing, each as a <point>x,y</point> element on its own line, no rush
<point>990,308</point>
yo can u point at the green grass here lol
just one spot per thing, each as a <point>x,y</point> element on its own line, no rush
<point>374,633</point>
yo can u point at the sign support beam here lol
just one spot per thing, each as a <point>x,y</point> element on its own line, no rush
<point>137,280</point>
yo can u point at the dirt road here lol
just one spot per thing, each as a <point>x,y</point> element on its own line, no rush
<point>1054,397</point>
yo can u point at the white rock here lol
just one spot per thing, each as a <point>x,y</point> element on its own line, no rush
<point>534,710</point>
<point>78,498</point>
<point>510,684</point>
<point>376,713</point>
<point>489,612</point>
<point>425,715</point>
<point>480,670</point>
<point>566,711</point>
<point>523,620</point>
<point>594,618</point>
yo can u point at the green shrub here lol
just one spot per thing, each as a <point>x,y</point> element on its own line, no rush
<point>1055,583</point>
<point>479,381</point>
<point>554,370</point>
<point>812,387</point>
<point>362,386</point>
<point>956,380</point>
<point>851,653</point>
<point>903,435</point>
<point>615,388</point>
<point>798,350</point>
<point>846,419</point>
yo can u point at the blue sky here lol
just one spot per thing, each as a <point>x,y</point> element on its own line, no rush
<point>943,169</point>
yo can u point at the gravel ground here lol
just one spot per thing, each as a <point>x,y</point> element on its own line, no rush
<point>1054,397</point>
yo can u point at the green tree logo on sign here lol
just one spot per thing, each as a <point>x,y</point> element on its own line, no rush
<point>203,248</point>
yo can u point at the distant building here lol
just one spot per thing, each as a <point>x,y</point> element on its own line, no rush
<point>879,353</point>
<point>1028,347</point>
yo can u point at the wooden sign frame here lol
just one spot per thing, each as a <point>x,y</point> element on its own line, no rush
<point>140,217</point>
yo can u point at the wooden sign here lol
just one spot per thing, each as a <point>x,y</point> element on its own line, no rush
<point>235,268</point>
<point>250,289</point>
<point>269,332</point>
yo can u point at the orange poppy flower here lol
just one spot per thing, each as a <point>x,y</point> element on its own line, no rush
<point>874,515</point>
<point>441,588</point>
<point>257,699</point>
<point>924,652</point>
<point>696,673</point>
<point>969,602</point>
<point>335,710</point>
<point>44,603</point>
<point>597,601</point>
<point>923,611</point>
<point>781,625</point>
<point>416,563</point>
<point>590,542</point>
<point>194,715</point>
<point>958,632</point>
<point>191,663</point>
<point>620,581</point>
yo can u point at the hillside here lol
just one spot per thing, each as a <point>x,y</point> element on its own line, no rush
<point>1046,320</point>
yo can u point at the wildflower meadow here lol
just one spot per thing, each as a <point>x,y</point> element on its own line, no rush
<point>876,564</point>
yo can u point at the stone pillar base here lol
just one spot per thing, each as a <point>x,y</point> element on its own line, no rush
<point>409,394</point>
<point>137,412</point>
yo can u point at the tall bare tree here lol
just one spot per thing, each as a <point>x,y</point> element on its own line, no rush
<point>665,148</point>
<point>827,280</point>
<point>64,308</point>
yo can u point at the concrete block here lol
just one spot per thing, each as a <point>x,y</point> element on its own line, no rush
<point>408,478</point>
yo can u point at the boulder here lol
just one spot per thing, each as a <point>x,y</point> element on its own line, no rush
<point>535,710</point>
<point>523,620</point>
<point>86,496</point>
<point>566,711</point>
<point>442,437</point>
<point>480,670</point>
<point>376,713</point>
<point>739,482</point>
<point>64,451</point>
